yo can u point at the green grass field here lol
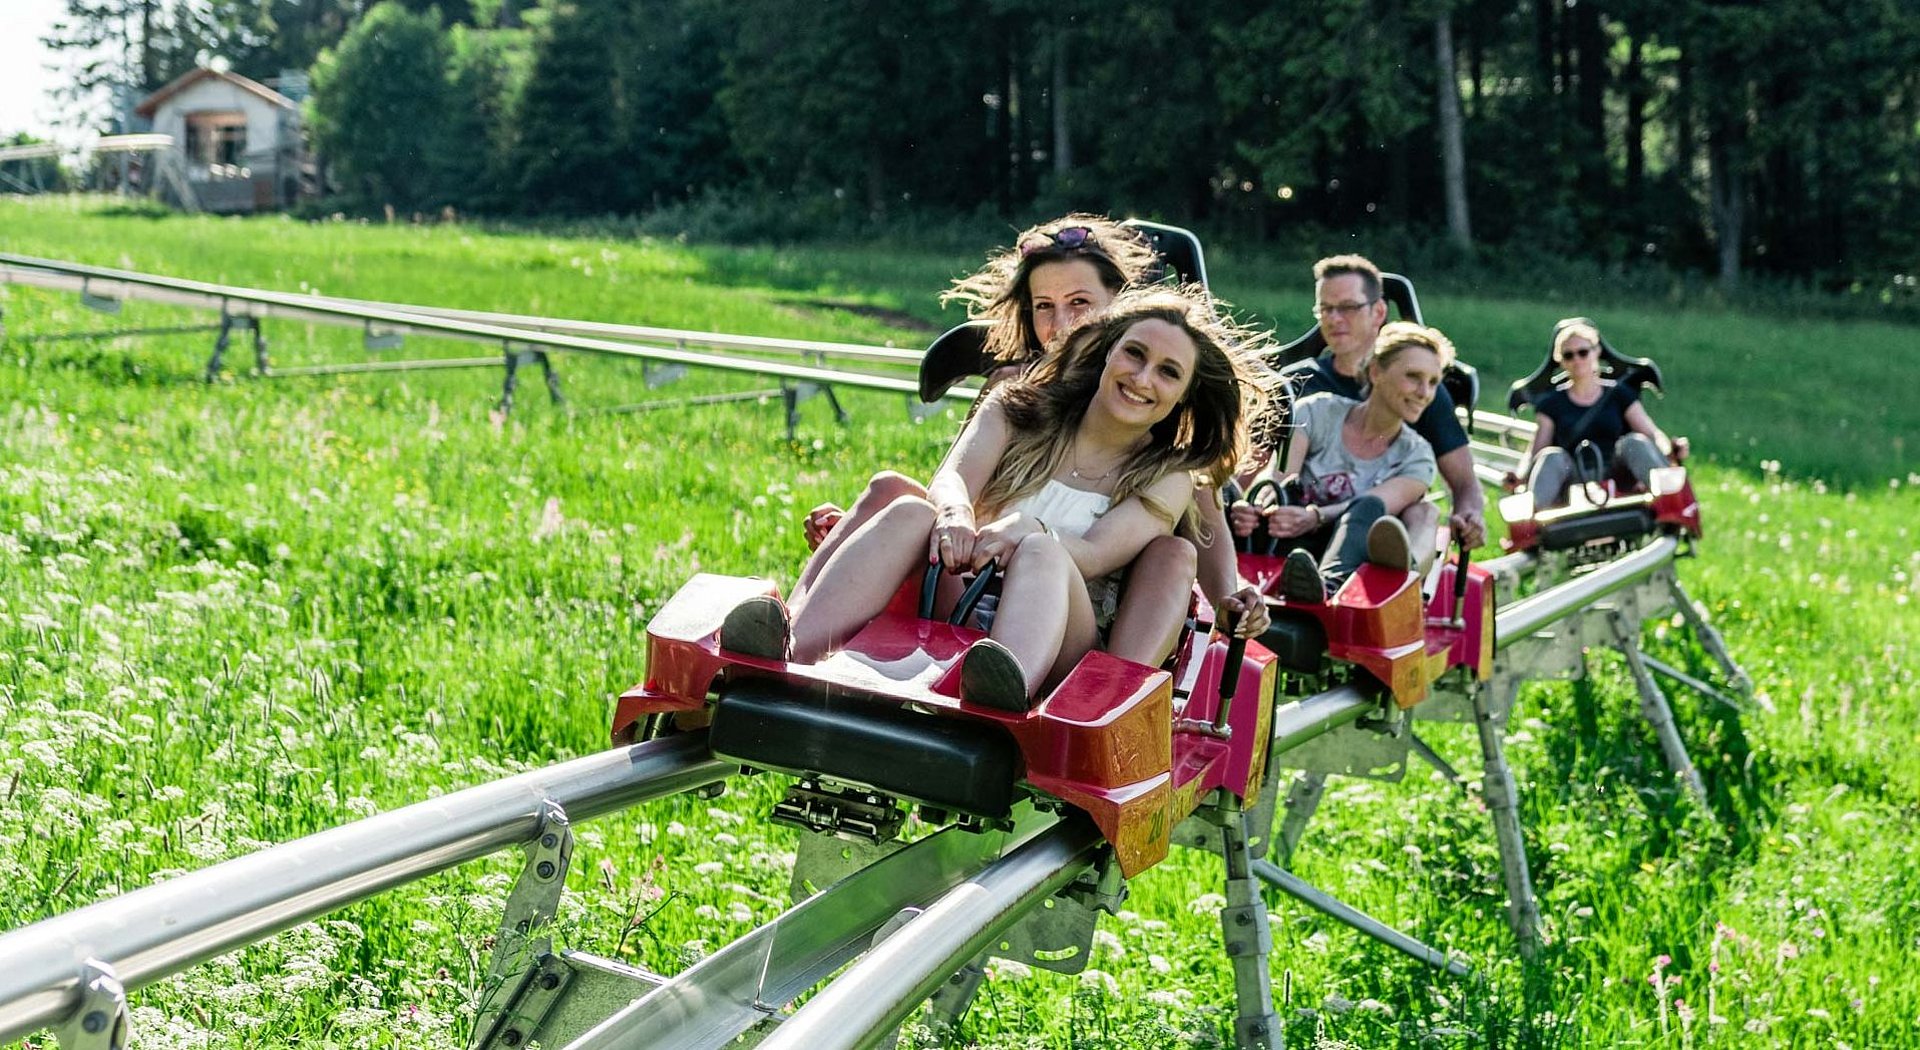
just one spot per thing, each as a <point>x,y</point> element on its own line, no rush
<point>236,613</point>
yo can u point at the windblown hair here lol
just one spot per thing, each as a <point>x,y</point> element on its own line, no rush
<point>1205,433</point>
<point>1358,265</point>
<point>1002,291</point>
<point>1398,337</point>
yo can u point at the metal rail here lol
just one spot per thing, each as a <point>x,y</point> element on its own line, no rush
<point>633,333</point>
<point>160,930</point>
<point>1528,616</point>
<point>721,997</point>
<point>106,283</point>
<point>870,999</point>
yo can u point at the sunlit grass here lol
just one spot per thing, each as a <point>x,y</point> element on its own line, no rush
<point>237,613</point>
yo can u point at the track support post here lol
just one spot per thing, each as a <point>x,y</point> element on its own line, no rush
<point>513,356</point>
<point>524,978</point>
<point>1247,934</point>
<point>1657,711</point>
<point>101,1021</point>
<point>1303,798</point>
<point>1709,637</point>
<point>1492,701</point>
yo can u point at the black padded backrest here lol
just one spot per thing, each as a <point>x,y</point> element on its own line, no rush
<point>1179,250</point>
<point>960,353</point>
<point>1637,372</point>
<point>1395,289</point>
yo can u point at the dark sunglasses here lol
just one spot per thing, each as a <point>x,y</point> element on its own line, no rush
<point>1071,238</point>
<point>1569,355</point>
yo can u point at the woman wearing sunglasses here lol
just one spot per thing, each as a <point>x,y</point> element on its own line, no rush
<point>1590,429</point>
<point>1063,478</point>
<point>1054,276</point>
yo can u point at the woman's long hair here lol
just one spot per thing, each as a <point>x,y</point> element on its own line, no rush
<point>1203,434</point>
<point>1002,289</point>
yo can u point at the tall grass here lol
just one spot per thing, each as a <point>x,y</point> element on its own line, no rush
<point>237,613</point>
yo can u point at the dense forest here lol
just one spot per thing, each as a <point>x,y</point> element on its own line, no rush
<point>1728,137</point>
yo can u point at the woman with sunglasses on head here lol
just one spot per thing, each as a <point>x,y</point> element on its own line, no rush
<point>1355,465</point>
<point>1062,478</point>
<point>1599,414</point>
<point>1054,276</point>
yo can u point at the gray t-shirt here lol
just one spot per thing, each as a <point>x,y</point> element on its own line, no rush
<point>1332,474</point>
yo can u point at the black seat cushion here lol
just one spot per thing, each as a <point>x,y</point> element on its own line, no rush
<point>1610,523</point>
<point>1298,639</point>
<point>955,763</point>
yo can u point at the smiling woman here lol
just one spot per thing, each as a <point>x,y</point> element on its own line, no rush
<point>1354,465</point>
<point>1061,479</point>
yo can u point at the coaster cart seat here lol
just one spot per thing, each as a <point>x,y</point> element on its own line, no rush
<point>1134,747</point>
<point>1599,517</point>
<point>1378,621</point>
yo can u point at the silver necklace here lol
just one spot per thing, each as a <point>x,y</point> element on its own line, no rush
<point>1073,468</point>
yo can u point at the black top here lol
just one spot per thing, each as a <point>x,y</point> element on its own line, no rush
<point>1604,422</point>
<point>1438,424</point>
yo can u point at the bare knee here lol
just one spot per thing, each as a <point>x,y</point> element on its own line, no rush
<point>887,487</point>
<point>1167,558</point>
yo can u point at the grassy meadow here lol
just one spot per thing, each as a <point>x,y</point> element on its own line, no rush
<point>236,613</point>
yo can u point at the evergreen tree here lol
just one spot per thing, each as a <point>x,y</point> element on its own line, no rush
<point>378,105</point>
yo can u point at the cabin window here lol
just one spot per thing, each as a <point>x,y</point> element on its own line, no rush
<point>216,137</point>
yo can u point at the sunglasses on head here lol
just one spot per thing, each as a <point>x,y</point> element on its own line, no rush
<point>1569,355</point>
<point>1071,238</point>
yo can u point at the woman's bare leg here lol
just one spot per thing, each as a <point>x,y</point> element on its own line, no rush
<point>881,491</point>
<point>860,578</point>
<point>1045,618</point>
<point>1154,605</point>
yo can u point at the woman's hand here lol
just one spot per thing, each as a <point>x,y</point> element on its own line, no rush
<point>1243,518</point>
<point>820,521</point>
<point>1510,481</point>
<point>953,538</point>
<point>997,540</point>
<point>1681,449</point>
<point>1252,608</point>
<point>1293,521</point>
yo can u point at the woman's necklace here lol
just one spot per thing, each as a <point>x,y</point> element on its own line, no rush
<point>1074,471</point>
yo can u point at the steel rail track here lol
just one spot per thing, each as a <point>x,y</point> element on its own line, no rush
<point>108,283</point>
<point>724,995</point>
<point>151,933</point>
<point>867,1002</point>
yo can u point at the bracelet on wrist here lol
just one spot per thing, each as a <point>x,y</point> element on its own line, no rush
<point>1319,516</point>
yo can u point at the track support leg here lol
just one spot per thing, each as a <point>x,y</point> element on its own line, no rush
<point>1249,940</point>
<point>949,1003</point>
<point>1658,712</point>
<point>1497,786</point>
<point>1709,638</point>
<point>1302,799</point>
<point>101,1021</point>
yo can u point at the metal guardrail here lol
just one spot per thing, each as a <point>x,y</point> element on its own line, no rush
<point>151,933</point>
<point>105,283</point>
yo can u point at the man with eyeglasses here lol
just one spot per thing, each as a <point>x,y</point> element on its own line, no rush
<point>1350,310</point>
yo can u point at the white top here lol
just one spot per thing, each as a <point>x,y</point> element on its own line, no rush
<point>1064,508</point>
<point>1072,512</point>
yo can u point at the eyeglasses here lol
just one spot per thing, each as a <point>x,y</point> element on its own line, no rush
<point>1575,354</point>
<point>1071,238</point>
<point>1340,309</point>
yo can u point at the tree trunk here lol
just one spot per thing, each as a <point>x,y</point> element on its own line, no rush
<point>1636,124</point>
<point>1591,102</point>
<point>1453,150</point>
<point>1727,193</point>
<point>1062,139</point>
